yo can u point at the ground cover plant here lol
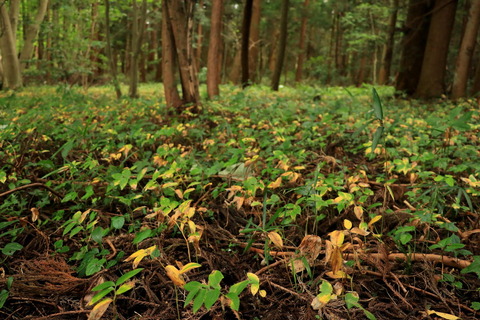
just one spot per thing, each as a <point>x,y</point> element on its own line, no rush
<point>305,203</point>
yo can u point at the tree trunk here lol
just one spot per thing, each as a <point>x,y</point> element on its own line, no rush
<point>254,41</point>
<point>14,13</point>
<point>247,19</point>
<point>32,33</point>
<point>384,73</point>
<point>198,49</point>
<point>413,45</point>
<point>111,61</point>
<point>301,43</point>
<point>281,46</point>
<point>431,82</point>
<point>463,62</point>
<point>214,61</point>
<point>11,66</point>
<point>180,15</point>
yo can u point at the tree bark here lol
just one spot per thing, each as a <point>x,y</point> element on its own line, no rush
<point>463,62</point>
<point>198,49</point>
<point>281,46</point>
<point>301,43</point>
<point>247,18</point>
<point>384,73</point>
<point>214,61</point>
<point>32,33</point>
<point>181,20</point>
<point>431,82</point>
<point>413,45</point>
<point>112,62</point>
<point>172,97</point>
<point>11,65</point>
<point>254,41</point>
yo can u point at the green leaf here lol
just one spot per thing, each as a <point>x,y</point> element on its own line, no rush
<point>238,288</point>
<point>128,275</point>
<point>351,299</point>
<point>475,305</point>
<point>193,287</point>
<point>211,297</point>
<point>369,314</point>
<point>76,230</point>
<point>94,266</point>
<point>11,248</point>
<point>376,138</point>
<point>377,105</point>
<point>3,297</point>
<point>123,288</point>
<point>3,176</point>
<point>118,222</point>
<point>88,192</point>
<point>70,196</point>
<point>234,300</point>
<point>97,234</point>
<point>67,147</point>
<point>473,267</point>
<point>198,301</point>
<point>104,285</point>
<point>97,297</point>
<point>214,279</point>
<point>142,235</point>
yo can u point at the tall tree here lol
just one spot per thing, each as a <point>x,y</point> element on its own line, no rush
<point>177,44</point>
<point>247,18</point>
<point>384,72</point>
<point>111,62</point>
<point>281,46</point>
<point>464,57</point>
<point>253,50</point>
<point>214,60</point>
<point>31,33</point>
<point>301,42</point>
<point>413,45</point>
<point>431,82</point>
<point>138,28</point>
<point>8,47</point>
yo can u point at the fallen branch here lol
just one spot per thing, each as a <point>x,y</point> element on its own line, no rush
<point>31,185</point>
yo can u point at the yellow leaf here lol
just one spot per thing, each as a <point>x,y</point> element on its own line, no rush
<point>337,275</point>
<point>358,212</point>
<point>336,260</point>
<point>179,193</point>
<point>276,239</point>
<point>192,226</point>
<point>99,309</point>
<point>254,287</point>
<point>337,237</point>
<point>277,183</point>
<point>189,266</point>
<point>443,315</point>
<point>374,219</point>
<point>262,293</point>
<point>174,275</point>
<point>139,255</point>
<point>347,224</point>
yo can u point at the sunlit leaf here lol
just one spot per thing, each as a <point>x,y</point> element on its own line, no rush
<point>443,315</point>
<point>174,275</point>
<point>189,266</point>
<point>99,309</point>
<point>276,239</point>
<point>347,224</point>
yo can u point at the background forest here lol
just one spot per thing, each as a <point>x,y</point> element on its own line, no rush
<point>425,48</point>
<point>290,159</point>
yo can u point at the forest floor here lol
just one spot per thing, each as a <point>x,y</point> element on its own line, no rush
<point>266,205</point>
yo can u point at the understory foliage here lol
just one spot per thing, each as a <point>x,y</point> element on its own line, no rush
<point>139,212</point>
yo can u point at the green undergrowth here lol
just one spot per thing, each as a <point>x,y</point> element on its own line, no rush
<point>295,162</point>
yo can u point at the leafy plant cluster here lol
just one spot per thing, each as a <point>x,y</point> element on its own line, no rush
<point>95,169</point>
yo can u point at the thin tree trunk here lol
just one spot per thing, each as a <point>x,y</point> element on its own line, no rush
<point>14,13</point>
<point>32,33</point>
<point>413,45</point>
<point>138,27</point>
<point>111,61</point>
<point>214,61</point>
<point>431,82</point>
<point>301,43</point>
<point>463,62</point>
<point>384,73</point>
<point>172,97</point>
<point>11,66</point>
<point>247,19</point>
<point>254,41</point>
<point>282,45</point>
<point>198,49</point>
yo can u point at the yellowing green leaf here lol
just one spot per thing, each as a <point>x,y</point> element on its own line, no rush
<point>277,183</point>
<point>139,255</point>
<point>358,212</point>
<point>174,275</point>
<point>337,237</point>
<point>189,266</point>
<point>443,315</point>
<point>262,293</point>
<point>99,309</point>
<point>374,219</point>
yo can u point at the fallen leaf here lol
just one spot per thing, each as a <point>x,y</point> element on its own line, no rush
<point>99,309</point>
<point>443,315</point>
<point>276,239</point>
<point>35,214</point>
